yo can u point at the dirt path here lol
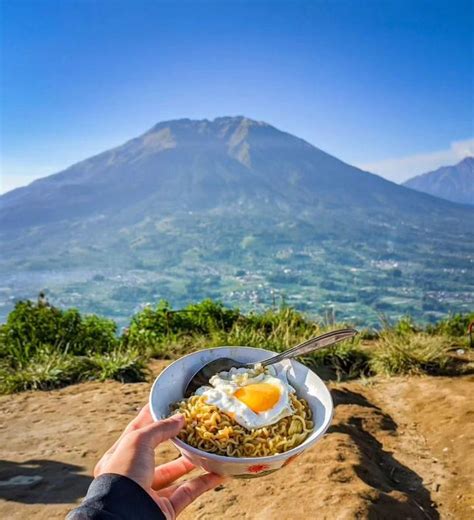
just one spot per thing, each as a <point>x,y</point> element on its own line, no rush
<point>397,449</point>
<point>439,412</point>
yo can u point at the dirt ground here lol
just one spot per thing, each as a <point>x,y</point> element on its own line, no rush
<point>399,448</point>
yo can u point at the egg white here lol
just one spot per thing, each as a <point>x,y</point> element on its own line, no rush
<point>225,384</point>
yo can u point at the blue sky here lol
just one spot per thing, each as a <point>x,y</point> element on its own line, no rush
<point>387,85</point>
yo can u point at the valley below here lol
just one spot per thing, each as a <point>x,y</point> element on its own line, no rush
<point>251,267</point>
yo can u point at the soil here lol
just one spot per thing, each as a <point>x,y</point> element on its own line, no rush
<point>399,448</point>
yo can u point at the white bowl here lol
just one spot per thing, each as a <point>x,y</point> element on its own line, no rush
<point>169,387</point>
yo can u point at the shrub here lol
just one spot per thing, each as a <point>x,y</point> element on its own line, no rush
<point>43,347</point>
<point>274,330</point>
<point>454,325</point>
<point>347,359</point>
<point>31,327</point>
<point>150,327</point>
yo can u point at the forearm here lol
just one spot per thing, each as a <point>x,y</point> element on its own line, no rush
<point>114,497</point>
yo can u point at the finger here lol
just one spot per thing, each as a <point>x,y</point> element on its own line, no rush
<point>171,471</point>
<point>142,419</point>
<point>188,491</point>
<point>168,491</point>
<point>160,431</point>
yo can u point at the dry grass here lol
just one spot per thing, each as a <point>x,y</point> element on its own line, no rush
<point>412,353</point>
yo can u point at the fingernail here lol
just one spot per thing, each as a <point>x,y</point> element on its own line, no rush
<point>177,417</point>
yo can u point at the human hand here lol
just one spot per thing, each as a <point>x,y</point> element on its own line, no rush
<point>133,455</point>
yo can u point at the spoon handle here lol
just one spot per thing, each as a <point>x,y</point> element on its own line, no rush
<point>330,338</point>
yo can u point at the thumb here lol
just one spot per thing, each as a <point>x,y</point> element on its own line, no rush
<point>160,431</point>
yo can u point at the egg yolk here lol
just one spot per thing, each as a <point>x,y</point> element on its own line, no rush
<point>259,397</point>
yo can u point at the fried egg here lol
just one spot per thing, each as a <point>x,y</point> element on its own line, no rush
<point>253,398</point>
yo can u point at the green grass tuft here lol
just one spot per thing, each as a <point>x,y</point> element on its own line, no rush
<point>126,366</point>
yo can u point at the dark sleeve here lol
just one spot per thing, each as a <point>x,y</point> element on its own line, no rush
<point>115,497</point>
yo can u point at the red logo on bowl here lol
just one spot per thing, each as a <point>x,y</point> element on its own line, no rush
<point>258,468</point>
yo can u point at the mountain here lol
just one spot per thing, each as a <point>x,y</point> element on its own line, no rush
<point>238,210</point>
<point>455,183</point>
<point>203,165</point>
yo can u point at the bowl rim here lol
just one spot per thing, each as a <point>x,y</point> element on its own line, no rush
<point>181,445</point>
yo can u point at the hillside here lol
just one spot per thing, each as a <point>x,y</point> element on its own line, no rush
<point>386,456</point>
<point>238,210</point>
<point>454,183</point>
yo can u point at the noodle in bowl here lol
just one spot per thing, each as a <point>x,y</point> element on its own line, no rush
<point>312,404</point>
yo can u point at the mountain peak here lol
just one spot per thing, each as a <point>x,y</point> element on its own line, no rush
<point>454,183</point>
<point>467,161</point>
<point>217,122</point>
<point>242,120</point>
<point>195,164</point>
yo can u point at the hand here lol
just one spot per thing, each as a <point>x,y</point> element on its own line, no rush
<point>133,455</point>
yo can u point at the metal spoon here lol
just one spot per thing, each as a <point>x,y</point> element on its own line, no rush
<point>202,376</point>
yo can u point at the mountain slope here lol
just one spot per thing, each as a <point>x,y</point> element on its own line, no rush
<point>238,210</point>
<point>195,165</point>
<point>454,183</point>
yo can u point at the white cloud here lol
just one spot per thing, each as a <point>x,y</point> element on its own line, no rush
<point>400,169</point>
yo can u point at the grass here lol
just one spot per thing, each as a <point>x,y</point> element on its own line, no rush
<point>283,330</point>
<point>126,366</point>
<point>42,347</point>
<point>415,353</point>
<point>49,369</point>
<point>407,348</point>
